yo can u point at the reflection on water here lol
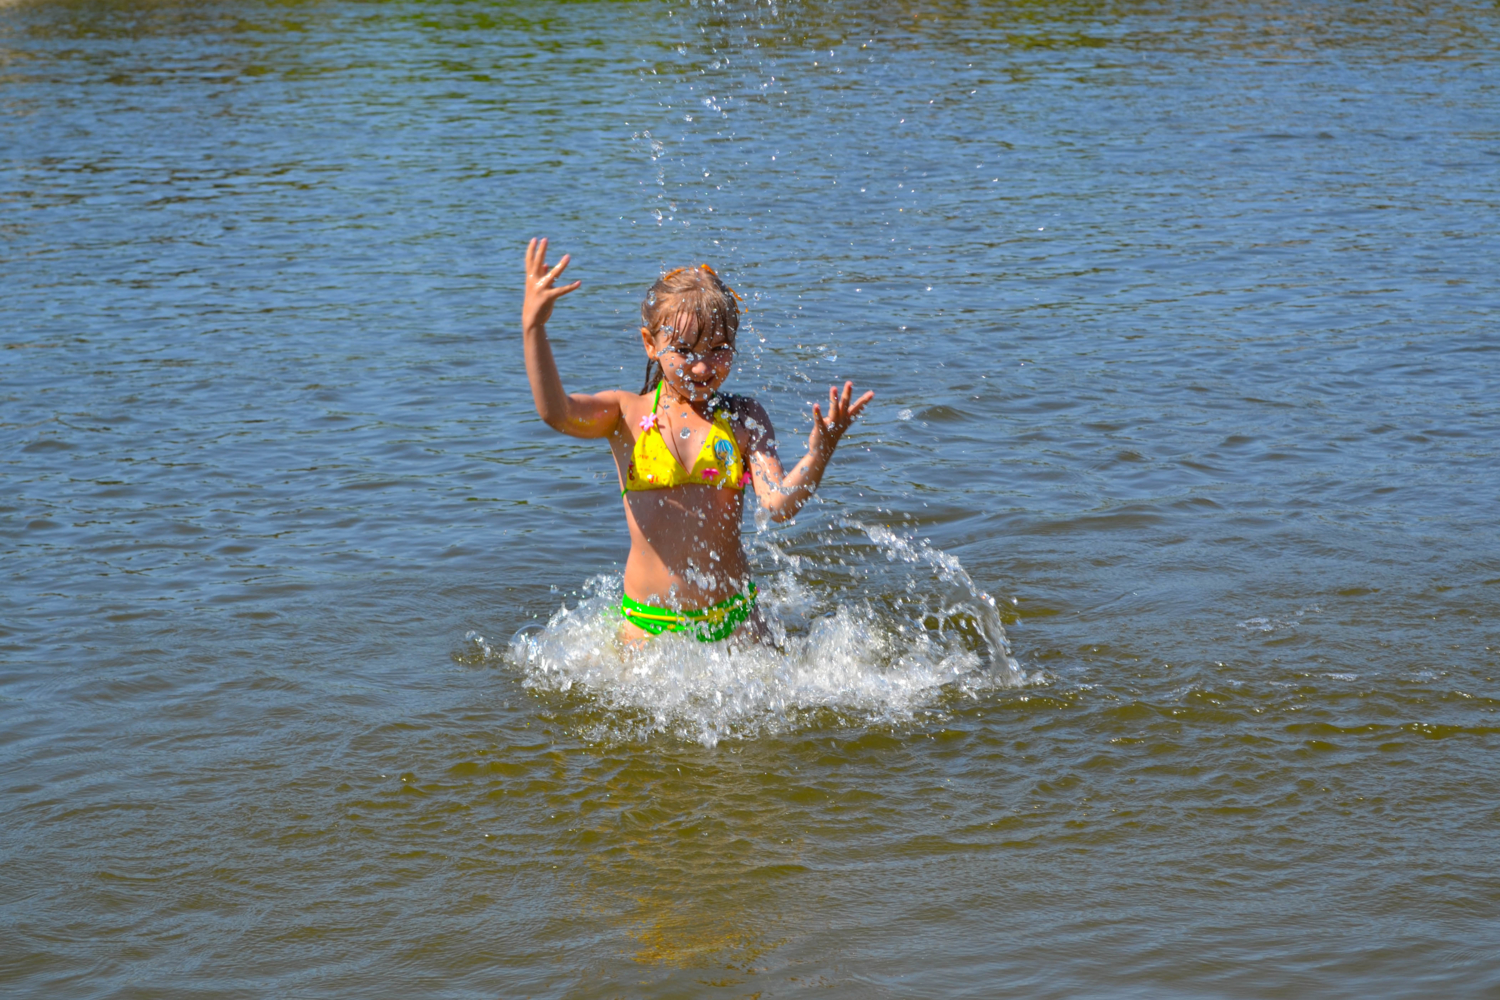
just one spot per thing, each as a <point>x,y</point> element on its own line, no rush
<point>695,879</point>
<point>1140,641</point>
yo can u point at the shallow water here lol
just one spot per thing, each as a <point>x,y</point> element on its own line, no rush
<point>1181,319</point>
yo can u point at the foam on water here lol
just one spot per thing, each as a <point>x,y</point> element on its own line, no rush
<point>887,644</point>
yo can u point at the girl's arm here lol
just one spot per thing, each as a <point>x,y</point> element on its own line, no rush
<point>577,415</point>
<point>783,494</point>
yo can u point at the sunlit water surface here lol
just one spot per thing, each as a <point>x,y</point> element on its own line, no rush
<point>1142,642</point>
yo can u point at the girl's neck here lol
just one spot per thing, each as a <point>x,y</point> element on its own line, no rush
<point>671,397</point>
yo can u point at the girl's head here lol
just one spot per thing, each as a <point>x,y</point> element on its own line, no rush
<point>688,323</point>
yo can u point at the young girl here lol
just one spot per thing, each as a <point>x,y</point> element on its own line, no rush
<point>684,451</point>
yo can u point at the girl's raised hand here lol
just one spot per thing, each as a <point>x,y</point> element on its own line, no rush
<point>536,309</point>
<point>841,413</point>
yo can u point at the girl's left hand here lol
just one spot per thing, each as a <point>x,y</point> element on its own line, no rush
<point>841,413</point>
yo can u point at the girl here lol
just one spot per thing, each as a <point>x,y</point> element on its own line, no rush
<point>684,451</point>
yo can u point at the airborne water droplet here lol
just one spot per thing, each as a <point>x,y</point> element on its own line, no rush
<point>685,433</point>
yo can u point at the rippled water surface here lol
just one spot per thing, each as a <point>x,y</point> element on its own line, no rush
<point>1182,323</point>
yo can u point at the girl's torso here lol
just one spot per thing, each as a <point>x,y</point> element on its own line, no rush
<point>684,500</point>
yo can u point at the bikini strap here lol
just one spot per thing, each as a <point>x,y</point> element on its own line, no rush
<point>657,402</point>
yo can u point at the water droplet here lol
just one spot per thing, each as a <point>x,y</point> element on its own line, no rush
<point>904,415</point>
<point>685,433</point>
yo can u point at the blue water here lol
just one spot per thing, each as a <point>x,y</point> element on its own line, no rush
<point>1181,321</point>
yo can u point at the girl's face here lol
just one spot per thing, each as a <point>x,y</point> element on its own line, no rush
<point>694,365</point>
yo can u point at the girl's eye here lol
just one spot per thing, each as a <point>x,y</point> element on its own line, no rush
<point>693,357</point>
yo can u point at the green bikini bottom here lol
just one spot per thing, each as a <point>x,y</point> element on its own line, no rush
<point>710,624</point>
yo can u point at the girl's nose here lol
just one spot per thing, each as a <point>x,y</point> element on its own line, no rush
<point>700,368</point>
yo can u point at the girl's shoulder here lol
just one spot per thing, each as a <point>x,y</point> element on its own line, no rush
<point>746,413</point>
<point>737,406</point>
<point>628,404</point>
<point>626,400</point>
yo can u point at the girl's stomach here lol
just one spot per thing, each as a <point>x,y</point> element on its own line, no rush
<point>685,550</point>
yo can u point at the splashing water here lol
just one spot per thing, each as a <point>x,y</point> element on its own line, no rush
<point>865,645</point>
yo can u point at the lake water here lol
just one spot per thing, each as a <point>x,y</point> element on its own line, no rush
<point>1182,320</point>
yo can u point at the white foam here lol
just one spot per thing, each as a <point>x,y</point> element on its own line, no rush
<point>882,657</point>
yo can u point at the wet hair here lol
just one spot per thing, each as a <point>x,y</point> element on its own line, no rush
<point>695,290</point>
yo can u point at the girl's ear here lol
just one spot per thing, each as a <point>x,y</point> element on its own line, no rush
<point>649,342</point>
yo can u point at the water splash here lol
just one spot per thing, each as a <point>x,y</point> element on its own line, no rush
<point>882,645</point>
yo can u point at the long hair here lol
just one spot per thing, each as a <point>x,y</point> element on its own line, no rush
<point>696,290</point>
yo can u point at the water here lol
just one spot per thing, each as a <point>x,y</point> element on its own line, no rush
<point>1181,324</point>
<point>920,642</point>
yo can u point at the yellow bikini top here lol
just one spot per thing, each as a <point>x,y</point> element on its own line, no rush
<point>654,467</point>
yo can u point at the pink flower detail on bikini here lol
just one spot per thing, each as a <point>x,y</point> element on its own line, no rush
<point>746,479</point>
<point>710,473</point>
<point>648,422</point>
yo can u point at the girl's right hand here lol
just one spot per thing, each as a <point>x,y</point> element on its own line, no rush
<point>536,308</point>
